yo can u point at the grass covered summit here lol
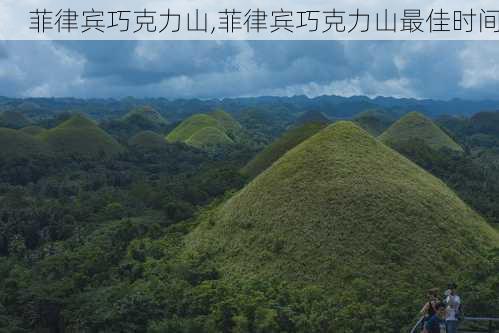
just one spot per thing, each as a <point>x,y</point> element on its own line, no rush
<point>347,214</point>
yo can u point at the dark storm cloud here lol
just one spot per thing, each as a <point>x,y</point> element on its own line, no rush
<point>151,62</point>
<point>227,69</point>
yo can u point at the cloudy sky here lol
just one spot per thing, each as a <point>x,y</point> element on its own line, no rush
<point>174,69</point>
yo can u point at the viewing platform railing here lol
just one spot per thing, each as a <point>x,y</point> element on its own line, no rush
<point>469,325</point>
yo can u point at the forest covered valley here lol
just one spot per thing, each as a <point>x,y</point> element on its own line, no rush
<point>266,214</point>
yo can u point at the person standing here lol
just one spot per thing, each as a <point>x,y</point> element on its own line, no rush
<point>453,302</point>
<point>428,309</point>
<point>436,324</point>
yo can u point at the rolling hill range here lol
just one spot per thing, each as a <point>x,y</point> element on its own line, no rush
<point>346,214</point>
<point>206,130</point>
<point>282,145</point>
<point>17,144</point>
<point>81,137</point>
<point>415,126</point>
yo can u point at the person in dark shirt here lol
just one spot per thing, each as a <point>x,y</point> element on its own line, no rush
<point>428,309</point>
<point>436,324</point>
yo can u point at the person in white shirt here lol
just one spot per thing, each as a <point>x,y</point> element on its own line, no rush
<point>453,302</point>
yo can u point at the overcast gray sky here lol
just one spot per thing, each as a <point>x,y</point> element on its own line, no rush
<point>173,69</point>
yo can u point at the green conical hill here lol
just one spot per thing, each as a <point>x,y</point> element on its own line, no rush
<point>148,113</point>
<point>205,130</point>
<point>81,137</point>
<point>190,126</point>
<point>279,147</point>
<point>347,214</point>
<point>208,137</point>
<point>16,144</point>
<point>415,126</point>
<point>230,125</point>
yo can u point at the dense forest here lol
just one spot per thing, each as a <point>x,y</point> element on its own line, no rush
<point>121,215</point>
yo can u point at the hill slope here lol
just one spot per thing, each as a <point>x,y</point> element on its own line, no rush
<point>147,113</point>
<point>147,140</point>
<point>205,130</point>
<point>13,119</point>
<point>346,213</point>
<point>208,137</point>
<point>311,117</point>
<point>282,145</point>
<point>80,136</point>
<point>190,126</point>
<point>375,121</point>
<point>231,126</point>
<point>16,144</point>
<point>33,130</point>
<point>415,126</point>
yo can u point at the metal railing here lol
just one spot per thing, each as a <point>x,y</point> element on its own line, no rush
<point>417,327</point>
<point>473,323</point>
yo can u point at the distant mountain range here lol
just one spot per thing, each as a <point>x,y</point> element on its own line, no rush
<point>334,107</point>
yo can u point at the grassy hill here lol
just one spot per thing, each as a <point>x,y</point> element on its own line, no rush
<point>282,145</point>
<point>209,137</point>
<point>204,130</point>
<point>148,113</point>
<point>415,126</point>
<point>485,122</point>
<point>190,126</point>
<point>375,121</point>
<point>16,144</point>
<point>147,140</point>
<point>33,130</point>
<point>343,213</point>
<point>13,119</point>
<point>81,137</point>
<point>231,126</point>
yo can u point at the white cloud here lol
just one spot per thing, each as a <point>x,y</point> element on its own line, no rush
<point>480,62</point>
<point>366,85</point>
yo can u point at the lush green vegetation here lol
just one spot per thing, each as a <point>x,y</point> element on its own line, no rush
<point>208,137</point>
<point>311,117</point>
<point>416,126</point>
<point>481,131</point>
<point>81,137</point>
<point>148,113</point>
<point>376,121</point>
<point>17,144</point>
<point>147,140</point>
<point>279,147</point>
<point>475,177</point>
<point>79,238</point>
<point>207,130</point>
<point>228,123</point>
<point>340,234</point>
<point>138,120</point>
<point>13,119</point>
<point>33,130</point>
<point>342,209</point>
